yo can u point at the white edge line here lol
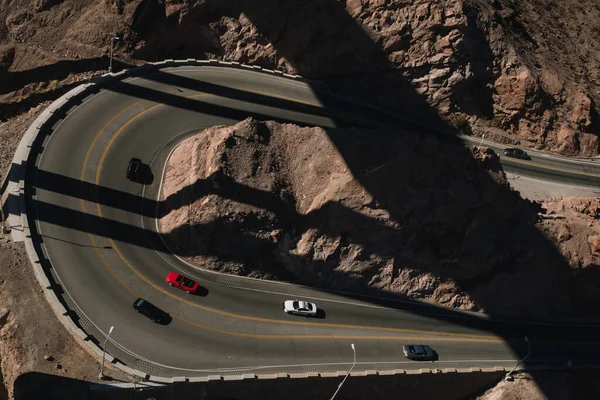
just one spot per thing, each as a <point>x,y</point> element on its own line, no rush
<point>215,272</point>
<point>461,313</point>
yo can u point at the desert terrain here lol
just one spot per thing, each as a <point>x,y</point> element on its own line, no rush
<point>523,73</point>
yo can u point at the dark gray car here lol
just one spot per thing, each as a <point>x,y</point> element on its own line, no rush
<point>419,352</point>
<point>134,169</point>
<point>148,309</point>
<point>516,153</point>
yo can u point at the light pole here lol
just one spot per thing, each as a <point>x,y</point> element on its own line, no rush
<point>101,375</point>
<point>348,374</point>
<point>4,230</point>
<point>481,142</point>
<point>112,42</point>
<point>508,376</point>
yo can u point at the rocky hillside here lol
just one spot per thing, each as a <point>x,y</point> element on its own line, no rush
<point>374,212</point>
<point>547,385</point>
<point>518,71</point>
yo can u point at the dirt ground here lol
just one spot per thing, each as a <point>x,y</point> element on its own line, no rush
<point>413,387</point>
<point>581,385</point>
<point>30,330</point>
<point>541,190</point>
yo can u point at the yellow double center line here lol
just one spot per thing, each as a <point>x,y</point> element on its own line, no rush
<point>445,336</point>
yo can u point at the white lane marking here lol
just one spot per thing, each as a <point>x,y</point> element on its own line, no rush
<point>225,71</point>
<point>174,265</point>
<point>66,291</point>
<point>58,278</point>
<point>384,362</point>
<point>263,281</point>
<point>575,161</point>
<point>308,366</point>
<point>595,189</point>
<point>259,367</point>
<point>459,314</point>
<point>242,73</point>
<point>56,274</point>
<point>127,351</point>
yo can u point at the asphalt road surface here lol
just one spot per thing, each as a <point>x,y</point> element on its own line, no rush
<point>99,232</point>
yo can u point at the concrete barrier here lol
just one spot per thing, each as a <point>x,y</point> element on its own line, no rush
<point>239,377</point>
<point>160,379</point>
<point>197,379</point>
<point>413,372</point>
<point>266,376</point>
<point>391,372</point>
<point>329,374</point>
<point>298,375</point>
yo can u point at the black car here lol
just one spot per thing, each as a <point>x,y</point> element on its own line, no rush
<point>419,352</point>
<point>134,169</point>
<point>149,310</point>
<point>516,153</point>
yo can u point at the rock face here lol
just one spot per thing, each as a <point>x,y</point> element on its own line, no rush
<point>497,64</point>
<point>525,67</point>
<point>574,225</point>
<point>546,385</point>
<point>370,212</point>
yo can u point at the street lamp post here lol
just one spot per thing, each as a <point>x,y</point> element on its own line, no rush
<point>101,375</point>
<point>4,230</point>
<point>112,42</point>
<point>508,376</point>
<point>348,374</point>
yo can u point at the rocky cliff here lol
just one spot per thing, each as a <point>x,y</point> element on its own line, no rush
<point>380,213</point>
<point>518,71</point>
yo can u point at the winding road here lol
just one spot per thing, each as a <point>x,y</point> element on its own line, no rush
<point>99,233</point>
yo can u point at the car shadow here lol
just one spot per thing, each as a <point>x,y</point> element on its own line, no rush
<point>165,320</point>
<point>202,291</point>
<point>526,158</point>
<point>320,314</point>
<point>146,175</point>
<point>434,357</point>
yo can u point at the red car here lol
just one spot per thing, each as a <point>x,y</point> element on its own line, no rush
<point>181,282</point>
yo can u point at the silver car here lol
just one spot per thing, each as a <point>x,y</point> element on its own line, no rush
<point>299,307</point>
<point>419,352</point>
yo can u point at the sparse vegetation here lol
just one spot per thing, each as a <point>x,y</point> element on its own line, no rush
<point>53,84</point>
<point>461,123</point>
<point>497,122</point>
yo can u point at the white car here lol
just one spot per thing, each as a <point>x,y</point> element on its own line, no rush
<point>300,307</point>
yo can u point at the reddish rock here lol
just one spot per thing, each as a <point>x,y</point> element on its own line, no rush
<point>392,213</point>
<point>523,67</point>
<point>594,242</point>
